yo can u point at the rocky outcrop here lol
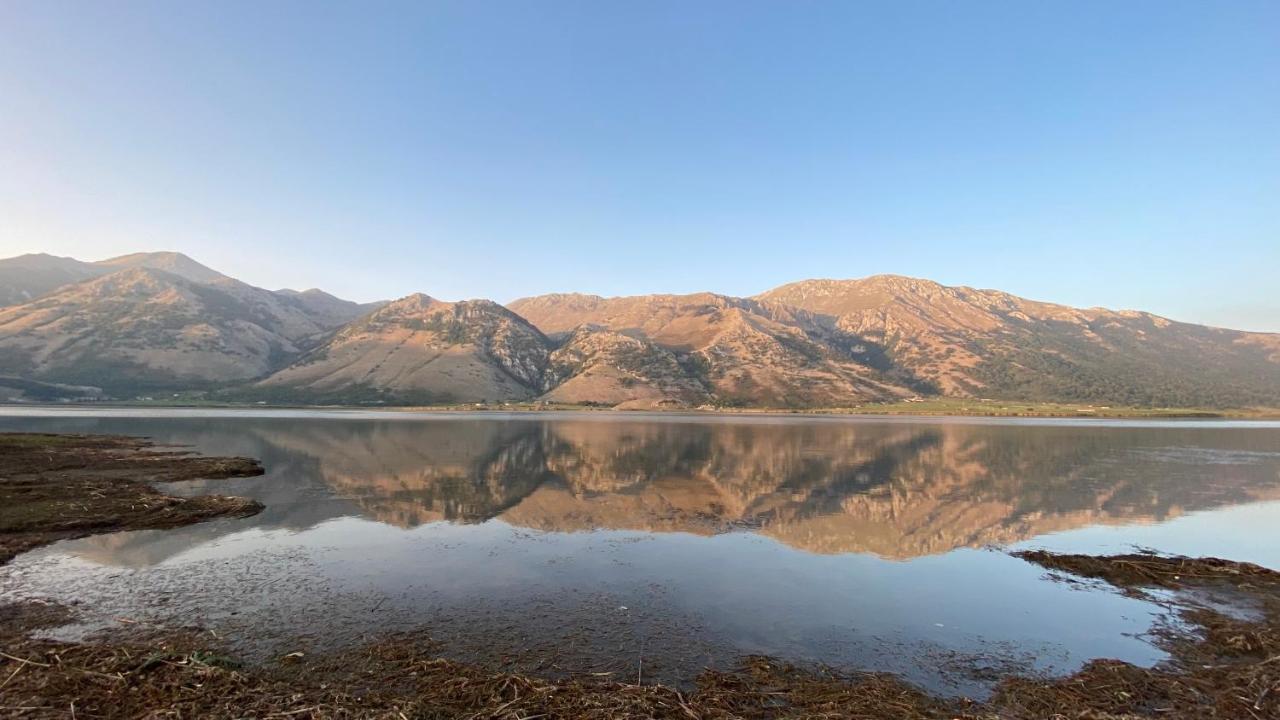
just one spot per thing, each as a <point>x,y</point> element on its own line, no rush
<point>970,342</point>
<point>744,352</point>
<point>422,350</point>
<point>599,366</point>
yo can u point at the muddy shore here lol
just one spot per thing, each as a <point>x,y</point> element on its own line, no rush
<point>1222,635</point>
<point>1223,665</point>
<point>54,487</point>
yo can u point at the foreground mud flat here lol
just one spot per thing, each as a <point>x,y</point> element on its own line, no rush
<point>54,487</point>
<point>1223,665</point>
<point>1222,635</point>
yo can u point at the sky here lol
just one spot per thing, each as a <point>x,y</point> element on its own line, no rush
<point>1122,154</point>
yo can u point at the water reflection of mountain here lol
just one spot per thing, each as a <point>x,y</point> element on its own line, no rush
<point>895,490</point>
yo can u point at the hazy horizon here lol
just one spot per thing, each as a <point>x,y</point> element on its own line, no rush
<point>1089,154</point>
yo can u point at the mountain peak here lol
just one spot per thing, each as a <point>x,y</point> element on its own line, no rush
<point>409,303</point>
<point>309,292</point>
<point>839,296</point>
<point>42,260</point>
<point>560,297</point>
<point>898,282</point>
<point>172,262</point>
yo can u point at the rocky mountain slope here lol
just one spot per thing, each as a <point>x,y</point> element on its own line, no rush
<point>27,277</point>
<point>161,321</point>
<point>141,329</point>
<point>170,262</point>
<point>986,343</point>
<point>601,367</point>
<point>30,277</point>
<point>419,349</point>
<point>326,309</point>
<point>742,351</point>
<point>148,322</point>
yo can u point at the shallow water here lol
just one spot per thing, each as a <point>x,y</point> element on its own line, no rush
<point>653,546</point>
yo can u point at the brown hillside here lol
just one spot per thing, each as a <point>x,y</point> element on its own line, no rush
<point>419,349</point>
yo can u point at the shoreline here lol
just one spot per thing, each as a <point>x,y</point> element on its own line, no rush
<point>994,411</point>
<point>1219,665</point>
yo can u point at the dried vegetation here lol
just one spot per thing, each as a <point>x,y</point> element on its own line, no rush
<point>54,487</point>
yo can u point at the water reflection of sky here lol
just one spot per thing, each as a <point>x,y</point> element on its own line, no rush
<point>852,542</point>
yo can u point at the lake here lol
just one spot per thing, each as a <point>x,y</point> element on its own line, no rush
<point>656,545</point>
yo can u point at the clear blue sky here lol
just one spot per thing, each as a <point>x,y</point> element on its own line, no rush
<point>1124,154</point>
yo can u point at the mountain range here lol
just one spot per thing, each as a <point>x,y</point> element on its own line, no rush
<point>151,323</point>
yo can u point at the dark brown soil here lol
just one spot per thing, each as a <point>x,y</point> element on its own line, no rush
<point>63,486</point>
<point>1139,570</point>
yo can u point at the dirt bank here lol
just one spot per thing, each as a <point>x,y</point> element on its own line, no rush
<point>63,486</point>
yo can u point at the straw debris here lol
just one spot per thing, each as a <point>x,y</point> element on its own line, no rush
<point>54,487</point>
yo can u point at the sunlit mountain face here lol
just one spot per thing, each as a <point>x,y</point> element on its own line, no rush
<point>132,327</point>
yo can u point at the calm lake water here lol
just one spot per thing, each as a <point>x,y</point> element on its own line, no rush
<point>658,545</point>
